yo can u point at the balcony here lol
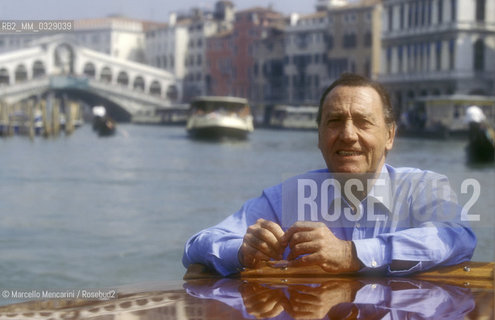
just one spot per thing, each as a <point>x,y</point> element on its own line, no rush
<point>423,31</point>
<point>435,76</point>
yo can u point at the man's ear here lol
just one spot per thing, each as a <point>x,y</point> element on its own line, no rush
<point>391,136</point>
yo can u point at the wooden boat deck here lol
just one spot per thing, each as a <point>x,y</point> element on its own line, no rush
<point>464,291</point>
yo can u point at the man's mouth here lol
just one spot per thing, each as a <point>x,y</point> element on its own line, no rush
<point>348,153</point>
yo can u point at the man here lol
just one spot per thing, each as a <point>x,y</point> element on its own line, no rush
<point>360,214</point>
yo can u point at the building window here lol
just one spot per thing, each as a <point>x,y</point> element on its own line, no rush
<point>440,11</point>
<point>389,60</point>
<point>329,41</point>
<point>349,41</point>
<point>399,55</point>
<point>401,16</point>
<point>453,10</point>
<point>390,18</point>
<point>417,12</point>
<point>479,55</point>
<point>452,54</point>
<point>480,10</point>
<point>410,15</point>
<point>428,46</point>
<point>367,39</point>
<point>430,10</point>
<point>439,56</point>
<point>409,58</point>
<point>417,57</point>
<point>421,56</point>
<point>423,12</point>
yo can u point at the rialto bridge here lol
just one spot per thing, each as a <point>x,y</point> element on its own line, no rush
<point>57,64</point>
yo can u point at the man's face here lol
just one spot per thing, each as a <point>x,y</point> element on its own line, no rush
<point>353,136</point>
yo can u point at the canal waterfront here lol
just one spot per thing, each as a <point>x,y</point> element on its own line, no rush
<point>83,211</point>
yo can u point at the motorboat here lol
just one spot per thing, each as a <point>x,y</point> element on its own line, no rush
<point>443,116</point>
<point>294,117</point>
<point>214,117</point>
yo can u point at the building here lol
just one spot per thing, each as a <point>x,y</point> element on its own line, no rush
<point>220,57</point>
<point>268,85</point>
<point>437,47</point>
<point>250,26</point>
<point>319,47</point>
<point>203,24</point>
<point>353,40</point>
<point>231,55</point>
<point>306,57</point>
<point>166,47</point>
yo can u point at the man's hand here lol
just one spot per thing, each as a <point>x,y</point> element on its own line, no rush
<point>308,302</point>
<point>262,301</point>
<point>261,243</point>
<point>315,244</point>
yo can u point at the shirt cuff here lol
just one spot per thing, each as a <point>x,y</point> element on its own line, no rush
<point>372,253</point>
<point>230,262</point>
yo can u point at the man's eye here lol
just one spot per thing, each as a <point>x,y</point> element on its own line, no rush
<point>365,123</point>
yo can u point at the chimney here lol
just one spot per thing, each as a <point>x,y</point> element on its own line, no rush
<point>294,17</point>
<point>172,19</point>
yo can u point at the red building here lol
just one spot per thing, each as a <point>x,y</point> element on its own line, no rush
<point>230,55</point>
<point>219,55</point>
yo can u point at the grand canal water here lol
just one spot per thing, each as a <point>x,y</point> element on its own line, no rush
<point>83,211</point>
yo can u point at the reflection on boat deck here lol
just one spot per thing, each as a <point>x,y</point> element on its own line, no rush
<point>293,298</point>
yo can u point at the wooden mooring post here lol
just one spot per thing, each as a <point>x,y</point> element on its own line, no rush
<point>56,117</point>
<point>70,112</point>
<point>44,116</point>
<point>30,107</point>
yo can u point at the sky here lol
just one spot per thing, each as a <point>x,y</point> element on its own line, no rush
<point>154,10</point>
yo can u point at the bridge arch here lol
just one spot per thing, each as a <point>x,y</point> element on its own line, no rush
<point>155,88</point>
<point>64,58</point>
<point>106,74</point>
<point>173,93</point>
<point>123,78</point>
<point>4,76</point>
<point>39,69</point>
<point>139,83</point>
<point>89,70</point>
<point>20,74</point>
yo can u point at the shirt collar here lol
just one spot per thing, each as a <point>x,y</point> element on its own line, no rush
<point>382,189</point>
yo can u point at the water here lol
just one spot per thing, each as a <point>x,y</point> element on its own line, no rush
<point>83,211</point>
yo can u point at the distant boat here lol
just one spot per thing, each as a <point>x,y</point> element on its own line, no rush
<point>170,115</point>
<point>103,124</point>
<point>481,146</point>
<point>442,116</point>
<point>214,117</point>
<point>292,117</point>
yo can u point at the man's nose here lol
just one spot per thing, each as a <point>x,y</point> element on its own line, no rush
<point>348,131</point>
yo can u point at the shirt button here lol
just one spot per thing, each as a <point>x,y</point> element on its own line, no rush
<point>373,263</point>
<point>373,286</point>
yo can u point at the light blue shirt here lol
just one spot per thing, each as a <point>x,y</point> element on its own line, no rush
<point>408,214</point>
